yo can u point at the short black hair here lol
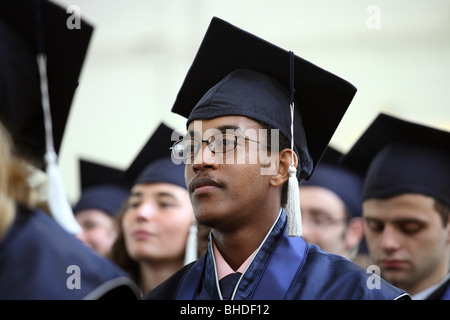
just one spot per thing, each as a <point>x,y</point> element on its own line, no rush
<point>443,210</point>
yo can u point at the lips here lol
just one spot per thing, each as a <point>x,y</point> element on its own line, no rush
<point>392,264</point>
<point>142,234</point>
<point>203,185</point>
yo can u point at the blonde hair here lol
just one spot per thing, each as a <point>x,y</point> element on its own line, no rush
<point>14,186</point>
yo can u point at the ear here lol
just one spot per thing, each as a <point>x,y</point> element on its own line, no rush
<point>448,229</point>
<point>284,161</point>
<point>355,232</point>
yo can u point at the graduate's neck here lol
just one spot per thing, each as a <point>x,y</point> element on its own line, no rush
<point>237,245</point>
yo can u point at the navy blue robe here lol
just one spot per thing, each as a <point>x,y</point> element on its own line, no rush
<point>41,261</point>
<point>284,268</point>
<point>441,293</point>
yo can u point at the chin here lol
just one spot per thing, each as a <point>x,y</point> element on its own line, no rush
<point>210,218</point>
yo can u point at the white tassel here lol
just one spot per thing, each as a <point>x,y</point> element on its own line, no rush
<point>191,245</point>
<point>57,201</point>
<point>294,216</point>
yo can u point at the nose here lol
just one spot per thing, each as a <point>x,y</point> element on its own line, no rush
<point>204,159</point>
<point>390,239</point>
<point>146,211</point>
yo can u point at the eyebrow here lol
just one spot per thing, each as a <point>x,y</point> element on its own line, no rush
<point>139,194</point>
<point>221,128</point>
<point>396,220</point>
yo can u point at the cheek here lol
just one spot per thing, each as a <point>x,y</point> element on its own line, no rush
<point>175,229</point>
<point>373,239</point>
<point>249,178</point>
<point>126,222</point>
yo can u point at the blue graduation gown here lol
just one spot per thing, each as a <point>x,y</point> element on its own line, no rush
<point>284,268</point>
<point>441,293</point>
<point>41,261</point>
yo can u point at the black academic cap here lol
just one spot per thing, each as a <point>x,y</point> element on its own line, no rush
<point>154,162</point>
<point>398,156</point>
<point>331,174</point>
<point>94,174</point>
<point>20,96</point>
<point>227,51</point>
<point>102,187</point>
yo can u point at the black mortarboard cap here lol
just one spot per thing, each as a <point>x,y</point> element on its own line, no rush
<point>20,96</point>
<point>343,181</point>
<point>154,162</point>
<point>102,187</point>
<point>398,156</point>
<point>255,81</point>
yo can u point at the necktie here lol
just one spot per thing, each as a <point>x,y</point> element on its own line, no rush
<point>228,283</point>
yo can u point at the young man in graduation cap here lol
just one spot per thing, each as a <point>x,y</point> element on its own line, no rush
<point>330,203</point>
<point>103,194</point>
<point>238,86</point>
<point>40,258</point>
<point>406,203</point>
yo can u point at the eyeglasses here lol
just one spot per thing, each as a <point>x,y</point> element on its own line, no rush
<point>322,222</point>
<point>219,143</point>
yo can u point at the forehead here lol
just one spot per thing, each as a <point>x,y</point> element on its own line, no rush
<point>405,206</point>
<point>92,214</point>
<point>315,199</point>
<point>232,122</point>
<point>157,188</point>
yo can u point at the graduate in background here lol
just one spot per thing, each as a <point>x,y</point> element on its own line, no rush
<point>157,227</point>
<point>248,142</point>
<point>103,194</point>
<point>40,258</point>
<point>406,203</point>
<point>330,203</point>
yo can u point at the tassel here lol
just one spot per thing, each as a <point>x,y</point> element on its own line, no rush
<point>57,201</point>
<point>294,217</point>
<point>191,245</point>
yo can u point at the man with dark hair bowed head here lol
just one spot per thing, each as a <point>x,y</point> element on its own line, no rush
<point>242,169</point>
<point>406,203</point>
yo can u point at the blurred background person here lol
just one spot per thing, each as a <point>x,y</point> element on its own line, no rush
<point>331,208</point>
<point>39,260</point>
<point>103,193</point>
<point>157,227</point>
<point>41,60</point>
<point>406,203</point>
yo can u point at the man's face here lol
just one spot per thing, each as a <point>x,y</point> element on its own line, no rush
<point>324,219</point>
<point>406,238</point>
<point>227,192</point>
<point>99,230</point>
